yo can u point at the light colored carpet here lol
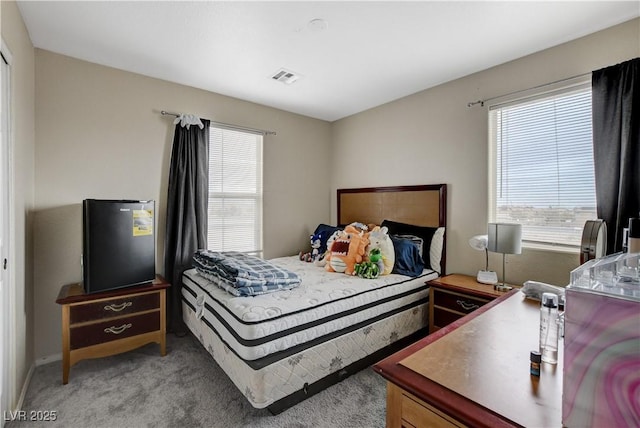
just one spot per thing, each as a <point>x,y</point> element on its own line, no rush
<point>186,388</point>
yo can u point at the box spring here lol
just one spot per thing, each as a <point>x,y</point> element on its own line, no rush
<point>316,344</point>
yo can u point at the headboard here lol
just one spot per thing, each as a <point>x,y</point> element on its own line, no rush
<point>422,205</point>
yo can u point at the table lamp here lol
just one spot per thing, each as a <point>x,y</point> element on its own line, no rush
<point>486,276</point>
<point>505,238</point>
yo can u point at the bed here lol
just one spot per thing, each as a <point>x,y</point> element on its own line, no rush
<point>280,348</point>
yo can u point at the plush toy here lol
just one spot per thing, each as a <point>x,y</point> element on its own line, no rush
<point>372,268</point>
<point>314,255</point>
<point>366,270</point>
<point>322,260</point>
<point>375,257</point>
<point>304,257</point>
<point>379,238</point>
<point>347,250</point>
<point>360,226</point>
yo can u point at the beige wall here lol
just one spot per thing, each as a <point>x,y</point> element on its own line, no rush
<point>22,125</point>
<point>433,137</point>
<point>100,135</point>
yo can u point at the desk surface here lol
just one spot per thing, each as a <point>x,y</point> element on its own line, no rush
<point>477,368</point>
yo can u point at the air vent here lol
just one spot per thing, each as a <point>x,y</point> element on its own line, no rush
<point>285,76</point>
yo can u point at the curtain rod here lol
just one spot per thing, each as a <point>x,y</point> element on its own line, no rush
<point>227,125</point>
<point>481,102</point>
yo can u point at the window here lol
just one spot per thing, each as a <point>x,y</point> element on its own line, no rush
<point>235,191</point>
<point>542,172</point>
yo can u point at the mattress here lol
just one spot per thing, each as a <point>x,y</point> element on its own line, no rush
<point>282,378</point>
<point>261,330</point>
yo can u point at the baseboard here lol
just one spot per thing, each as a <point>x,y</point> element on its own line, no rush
<point>27,381</point>
<point>25,387</point>
<point>23,392</point>
<point>48,359</point>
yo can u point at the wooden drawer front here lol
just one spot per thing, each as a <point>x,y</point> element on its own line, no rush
<point>106,331</point>
<point>417,414</point>
<point>457,302</point>
<point>443,317</point>
<point>114,307</point>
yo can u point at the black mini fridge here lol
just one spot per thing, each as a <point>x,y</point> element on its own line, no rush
<point>118,244</point>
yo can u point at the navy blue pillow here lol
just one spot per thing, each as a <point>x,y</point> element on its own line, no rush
<point>424,232</point>
<point>325,232</point>
<point>408,261</point>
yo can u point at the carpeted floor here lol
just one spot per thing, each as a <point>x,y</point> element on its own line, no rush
<point>186,388</point>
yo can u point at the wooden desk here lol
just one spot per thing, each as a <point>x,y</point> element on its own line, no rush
<point>111,322</point>
<point>475,372</point>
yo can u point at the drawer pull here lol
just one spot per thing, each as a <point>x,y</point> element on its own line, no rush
<point>117,330</point>
<point>467,306</point>
<point>117,308</point>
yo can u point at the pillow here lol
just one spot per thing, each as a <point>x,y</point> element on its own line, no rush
<point>325,231</point>
<point>415,239</point>
<point>408,260</point>
<point>435,252</point>
<point>424,232</point>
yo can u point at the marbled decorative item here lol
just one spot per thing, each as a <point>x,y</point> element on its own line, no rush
<point>601,360</point>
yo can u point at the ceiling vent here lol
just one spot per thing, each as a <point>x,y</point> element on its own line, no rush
<point>285,76</point>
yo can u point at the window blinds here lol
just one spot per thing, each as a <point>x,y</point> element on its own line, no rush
<point>542,166</point>
<point>235,191</point>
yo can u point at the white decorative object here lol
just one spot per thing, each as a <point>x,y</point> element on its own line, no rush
<point>486,276</point>
<point>186,120</point>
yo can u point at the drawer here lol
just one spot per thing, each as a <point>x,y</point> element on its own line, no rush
<point>419,414</point>
<point>460,303</point>
<point>107,331</point>
<point>114,307</point>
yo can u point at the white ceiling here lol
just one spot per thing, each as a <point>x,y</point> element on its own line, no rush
<point>369,54</point>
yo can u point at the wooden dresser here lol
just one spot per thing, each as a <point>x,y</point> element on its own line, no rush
<point>111,322</point>
<point>475,372</point>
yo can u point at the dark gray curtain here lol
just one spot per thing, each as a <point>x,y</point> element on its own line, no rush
<point>186,211</point>
<point>616,146</point>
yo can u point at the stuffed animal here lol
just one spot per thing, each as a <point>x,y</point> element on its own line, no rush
<point>379,238</point>
<point>366,270</point>
<point>314,255</point>
<point>371,268</point>
<point>347,250</point>
<point>360,226</point>
<point>375,257</point>
<point>322,260</point>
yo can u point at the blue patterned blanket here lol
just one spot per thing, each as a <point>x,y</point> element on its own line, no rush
<point>243,275</point>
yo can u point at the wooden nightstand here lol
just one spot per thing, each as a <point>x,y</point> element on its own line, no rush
<point>453,296</point>
<point>111,322</point>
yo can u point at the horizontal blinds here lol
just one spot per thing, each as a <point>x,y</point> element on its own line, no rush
<point>544,173</point>
<point>235,191</point>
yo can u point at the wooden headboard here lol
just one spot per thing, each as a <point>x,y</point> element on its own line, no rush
<point>423,205</point>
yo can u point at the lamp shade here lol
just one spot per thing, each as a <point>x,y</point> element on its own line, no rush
<point>479,242</point>
<point>505,238</point>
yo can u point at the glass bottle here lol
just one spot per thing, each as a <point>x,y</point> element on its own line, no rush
<point>549,328</point>
<point>535,359</point>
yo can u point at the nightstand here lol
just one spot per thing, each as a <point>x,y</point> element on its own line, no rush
<point>111,322</point>
<point>453,296</point>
